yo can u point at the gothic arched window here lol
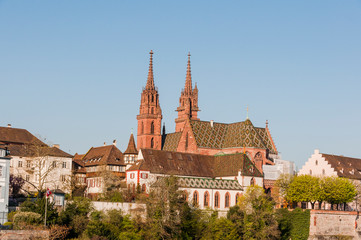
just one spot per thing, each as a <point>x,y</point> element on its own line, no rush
<point>141,128</point>
<point>216,200</point>
<point>226,202</point>
<point>206,199</point>
<point>186,141</point>
<point>252,182</point>
<point>195,198</point>
<point>237,197</point>
<point>152,127</point>
<point>152,143</point>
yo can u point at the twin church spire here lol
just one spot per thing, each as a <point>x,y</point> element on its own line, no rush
<point>150,113</point>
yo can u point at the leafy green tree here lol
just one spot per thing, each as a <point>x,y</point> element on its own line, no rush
<point>338,190</point>
<point>164,207</point>
<point>259,215</point>
<point>304,188</point>
<point>221,228</point>
<point>75,215</point>
<point>193,222</point>
<point>112,225</point>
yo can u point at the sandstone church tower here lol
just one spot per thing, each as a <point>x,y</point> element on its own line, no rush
<point>150,114</point>
<point>188,101</point>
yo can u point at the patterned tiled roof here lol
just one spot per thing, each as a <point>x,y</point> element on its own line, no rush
<point>197,165</point>
<point>209,183</point>
<point>171,141</point>
<point>221,135</point>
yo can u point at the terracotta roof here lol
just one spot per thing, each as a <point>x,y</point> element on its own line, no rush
<point>221,135</point>
<point>29,150</point>
<point>18,135</point>
<point>209,183</point>
<point>344,166</point>
<point>103,155</point>
<point>186,164</point>
<point>171,141</point>
<point>131,149</point>
<point>21,142</point>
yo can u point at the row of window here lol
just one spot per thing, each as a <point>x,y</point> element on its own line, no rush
<point>217,197</point>
<point>97,182</point>
<point>142,175</point>
<point>36,177</point>
<point>29,164</point>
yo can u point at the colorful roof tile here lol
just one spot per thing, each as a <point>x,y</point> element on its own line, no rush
<point>209,183</point>
<point>171,141</point>
<point>221,135</point>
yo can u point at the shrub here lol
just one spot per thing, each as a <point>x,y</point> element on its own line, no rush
<point>23,219</point>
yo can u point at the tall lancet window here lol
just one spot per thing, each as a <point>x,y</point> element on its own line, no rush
<point>152,127</point>
<point>186,141</point>
<point>152,143</point>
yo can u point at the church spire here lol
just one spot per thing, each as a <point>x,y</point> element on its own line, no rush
<point>150,81</point>
<point>188,85</point>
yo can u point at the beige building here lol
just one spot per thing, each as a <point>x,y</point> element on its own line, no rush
<point>40,165</point>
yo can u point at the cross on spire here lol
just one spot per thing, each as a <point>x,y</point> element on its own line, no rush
<point>150,81</point>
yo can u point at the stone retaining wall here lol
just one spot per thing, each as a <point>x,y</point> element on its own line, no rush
<point>24,234</point>
<point>334,225</point>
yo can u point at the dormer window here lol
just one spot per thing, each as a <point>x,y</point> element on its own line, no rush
<point>352,171</point>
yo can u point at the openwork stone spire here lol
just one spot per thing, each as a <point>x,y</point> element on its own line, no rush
<point>188,101</point>
<point>188,85</point>
<point>150,81</point>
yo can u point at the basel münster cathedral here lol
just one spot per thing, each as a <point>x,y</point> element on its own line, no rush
<point>195,136</point>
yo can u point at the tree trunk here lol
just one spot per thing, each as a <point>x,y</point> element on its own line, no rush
<point>320,205</point>
<point>313,205</point>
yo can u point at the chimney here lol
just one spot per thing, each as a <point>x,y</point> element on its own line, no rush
<point>211,123</point>
<point>105,143</point>
<point>9,125</point>
<point>56,146</point>
<point>115,142</point>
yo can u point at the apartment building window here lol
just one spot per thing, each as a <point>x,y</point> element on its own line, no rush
<point>27,178</point>
<point>64,164</point>
<point>1,171</point>
<point>63,178</point>
<point>54,164</point>
<point>28,164</point>
<point>20,164</point>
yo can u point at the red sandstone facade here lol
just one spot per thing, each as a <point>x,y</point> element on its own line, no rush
<point>257,143</point>
<point>188,101</point>
<point>150,114</point>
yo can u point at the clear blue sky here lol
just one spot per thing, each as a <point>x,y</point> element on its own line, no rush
<point>72,71</point>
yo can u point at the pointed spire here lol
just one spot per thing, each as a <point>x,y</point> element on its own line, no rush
<point>131,149</point>
<point>266,123</point>
<point>150,81</point>
<point>188,85</point>
<point>247,112</point>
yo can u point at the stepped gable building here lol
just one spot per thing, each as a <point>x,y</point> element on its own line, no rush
<point>195,136</point>
<point>37,163</point>
<point>321,164</point>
